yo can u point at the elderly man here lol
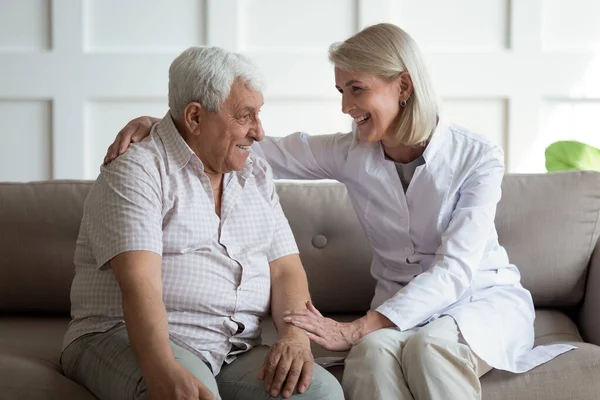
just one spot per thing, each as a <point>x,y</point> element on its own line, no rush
<point>183,245</point>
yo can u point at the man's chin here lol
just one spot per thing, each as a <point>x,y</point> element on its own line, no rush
<point>238,165</point>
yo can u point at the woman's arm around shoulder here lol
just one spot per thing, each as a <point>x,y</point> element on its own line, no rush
<point>301,156</point>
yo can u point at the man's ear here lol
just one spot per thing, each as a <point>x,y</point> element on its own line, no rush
<point>192,117</point>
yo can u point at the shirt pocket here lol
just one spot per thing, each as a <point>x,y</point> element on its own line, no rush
<point>189,225</point>
<point>250,226</point>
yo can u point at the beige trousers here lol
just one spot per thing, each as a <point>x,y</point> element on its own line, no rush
<point>426,363</point>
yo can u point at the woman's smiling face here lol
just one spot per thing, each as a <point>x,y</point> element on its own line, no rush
<point>373,103</point>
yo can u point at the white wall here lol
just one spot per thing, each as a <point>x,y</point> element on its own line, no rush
<point>72,72</point>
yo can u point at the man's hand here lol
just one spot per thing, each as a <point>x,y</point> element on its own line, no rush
<point>175,382</point>
<point>133,132</point>
<point>289,361</point>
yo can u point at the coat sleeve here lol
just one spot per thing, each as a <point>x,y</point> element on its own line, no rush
<point>301,156</point>
<point>462,248</point>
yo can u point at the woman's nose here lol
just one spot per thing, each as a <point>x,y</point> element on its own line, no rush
<point>347,105</point>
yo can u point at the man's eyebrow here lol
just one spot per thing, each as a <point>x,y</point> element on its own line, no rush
<point>249,109</point>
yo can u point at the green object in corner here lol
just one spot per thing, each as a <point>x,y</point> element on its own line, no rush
<point>571,155</point>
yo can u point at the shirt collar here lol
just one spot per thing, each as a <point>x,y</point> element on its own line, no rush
<point>179,153</point>
<point>246,172</point>
<point>436,141</point>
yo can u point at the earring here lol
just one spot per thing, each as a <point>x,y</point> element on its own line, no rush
<point>403,103</point>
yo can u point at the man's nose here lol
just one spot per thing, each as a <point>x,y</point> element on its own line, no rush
<point>257,132</point>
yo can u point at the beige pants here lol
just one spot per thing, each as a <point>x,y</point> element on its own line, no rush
<point>427,363</point>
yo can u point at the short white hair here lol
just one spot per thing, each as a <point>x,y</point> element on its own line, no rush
<point>385,50</point>
<point>205,75</point>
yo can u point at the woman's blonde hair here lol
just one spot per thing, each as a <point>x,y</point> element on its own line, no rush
<point>385,50</point>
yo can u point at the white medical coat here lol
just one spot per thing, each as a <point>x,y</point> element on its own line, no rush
<point>435,248</point>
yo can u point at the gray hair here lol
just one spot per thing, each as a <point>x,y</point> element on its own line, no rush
<point>205,75</point>
<point>385,50</point>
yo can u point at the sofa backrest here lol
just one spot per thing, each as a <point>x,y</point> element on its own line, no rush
<point>39,223</point>
<point>548,223</point>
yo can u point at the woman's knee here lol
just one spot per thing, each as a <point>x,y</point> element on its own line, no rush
<point>375,346</point>
<point>420,348</point>
<point>427,352</point>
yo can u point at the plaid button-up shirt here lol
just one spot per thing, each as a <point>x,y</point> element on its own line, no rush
<point>215,271</point>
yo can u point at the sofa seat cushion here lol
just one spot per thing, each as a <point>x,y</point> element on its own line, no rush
<point>573,375</point>
<point>29,360</point>
<point>30,369</point>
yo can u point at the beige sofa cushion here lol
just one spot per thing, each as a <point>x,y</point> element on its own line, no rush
<point>332,244</point>
<point>39,223</point>
<point>29,360</point>
<point>549,225</point>
<point>30,349</point>
<point>573,375</point>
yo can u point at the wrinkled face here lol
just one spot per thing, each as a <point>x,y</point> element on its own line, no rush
<point>373,103</point>
<point>224,137</point>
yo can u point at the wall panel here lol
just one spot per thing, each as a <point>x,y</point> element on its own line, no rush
<point>104,119</point>
<point>25,154</point>
<point>148,26</point>
<point>484,116</point>
<point>455,26</point>
<point>24,25</point>
<point>571,26</point>
<point>524,73</point>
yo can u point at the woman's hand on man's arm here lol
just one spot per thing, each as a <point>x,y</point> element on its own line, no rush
<point>333,335</point>
<point>135,130</point>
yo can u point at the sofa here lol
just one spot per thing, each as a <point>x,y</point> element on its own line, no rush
<point>549,224</point>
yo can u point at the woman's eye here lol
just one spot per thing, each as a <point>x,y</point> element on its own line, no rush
<point>356,89</point>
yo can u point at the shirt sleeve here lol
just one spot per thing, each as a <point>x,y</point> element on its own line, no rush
<point>283,243</point>
<point>461,251</point>
<point>123,211</point>
<point>301,156</point>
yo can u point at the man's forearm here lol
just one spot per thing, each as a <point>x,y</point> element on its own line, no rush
<point>289,291</point>
<point>147,326</point>
<point>144,310</point>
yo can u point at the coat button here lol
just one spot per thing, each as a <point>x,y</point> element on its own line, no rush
<point>319,241</point>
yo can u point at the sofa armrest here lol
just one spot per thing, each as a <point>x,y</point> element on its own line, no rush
<point>589,318</point>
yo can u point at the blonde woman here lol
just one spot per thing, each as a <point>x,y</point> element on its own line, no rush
<point>448,304</point>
